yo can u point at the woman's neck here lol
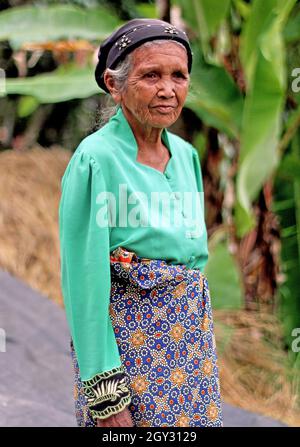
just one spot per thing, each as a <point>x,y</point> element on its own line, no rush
<point>148,138</point>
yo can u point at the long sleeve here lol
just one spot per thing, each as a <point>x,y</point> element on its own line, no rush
<point>86,283</point>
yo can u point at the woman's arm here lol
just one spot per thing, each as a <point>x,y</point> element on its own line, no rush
<point>86,282</point>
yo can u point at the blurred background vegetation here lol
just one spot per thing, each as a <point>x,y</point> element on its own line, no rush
<point>243,116</point>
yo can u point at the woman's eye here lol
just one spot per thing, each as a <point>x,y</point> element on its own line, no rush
<point>179,74</point>
<point>151,75</point>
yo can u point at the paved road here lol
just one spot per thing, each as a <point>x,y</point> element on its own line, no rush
<point>36,376</point>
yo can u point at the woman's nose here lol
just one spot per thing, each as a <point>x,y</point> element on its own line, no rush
<point>166,88</point>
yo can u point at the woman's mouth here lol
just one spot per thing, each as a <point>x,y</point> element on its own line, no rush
<point>164,109</point>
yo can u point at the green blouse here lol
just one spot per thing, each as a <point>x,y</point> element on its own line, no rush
<point>103,188</point>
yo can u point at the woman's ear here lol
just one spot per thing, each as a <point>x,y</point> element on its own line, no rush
<point>110,84</point>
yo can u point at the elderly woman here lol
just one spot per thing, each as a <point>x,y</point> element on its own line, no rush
<point>132,257</point>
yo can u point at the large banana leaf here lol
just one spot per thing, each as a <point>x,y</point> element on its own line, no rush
<point>204,17</point>
<point>292,30</point>
<point>42,24</point>
<point>223,275</point>
<point>214,97</point>
<point>65,83</point>
<point>263,58</point>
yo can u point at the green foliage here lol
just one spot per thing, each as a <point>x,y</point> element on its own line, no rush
<point>257,120</point>
<point>214,97</point>
<point>292,30</point>
<point>287,206</point>
<point>263,58</point>
<point>43,24</point>
<point>223,275</point>
<point>205,18</point>
<point>27,105</point>
<point>147,10</point>
<point>65,83</point>
<point>242,8</point>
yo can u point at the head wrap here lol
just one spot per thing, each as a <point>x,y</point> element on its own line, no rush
<point>130,36</point>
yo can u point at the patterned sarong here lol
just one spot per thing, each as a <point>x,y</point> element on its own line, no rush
<point>163,323</point>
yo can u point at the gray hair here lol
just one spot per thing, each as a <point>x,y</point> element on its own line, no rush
<point>120,75</point>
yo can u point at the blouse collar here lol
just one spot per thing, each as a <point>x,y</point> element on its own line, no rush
<point>127,135</point>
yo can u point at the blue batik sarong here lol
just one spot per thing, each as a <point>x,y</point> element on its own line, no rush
<point>163,323</point>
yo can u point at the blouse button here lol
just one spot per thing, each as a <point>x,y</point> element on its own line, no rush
<point>192,258</point>
<point>167,175</point>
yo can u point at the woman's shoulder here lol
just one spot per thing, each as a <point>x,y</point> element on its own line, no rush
<point>96,145</point>
<point>183,148</point>
<point>97,148</point>
<point>93,151</point>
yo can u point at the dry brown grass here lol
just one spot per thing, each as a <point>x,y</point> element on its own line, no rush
<point>252,362</point>
<point>254,366</point>
<point>30,193</point>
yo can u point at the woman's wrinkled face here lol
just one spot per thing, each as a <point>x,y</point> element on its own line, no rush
<point>157,85</point>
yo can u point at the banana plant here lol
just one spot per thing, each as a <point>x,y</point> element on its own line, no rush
<point>25,25</point>
<point>67,82</point>
<point>263,59</point>
<point>61,29</point>
<point>256,119</point>
<point>252,113</point>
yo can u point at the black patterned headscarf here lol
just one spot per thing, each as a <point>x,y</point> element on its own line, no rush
<point>130,36</point>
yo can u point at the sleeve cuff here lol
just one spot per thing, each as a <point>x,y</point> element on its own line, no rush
<point>107,393</point>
